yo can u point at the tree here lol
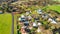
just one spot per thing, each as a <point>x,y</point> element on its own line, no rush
<point>4,6</point>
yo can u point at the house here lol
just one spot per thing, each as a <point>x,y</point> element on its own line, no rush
<point>1,12</point>
<point>49,19</point>
<point>26,23</point>
<point>52,21</point>
<point>27,30</point>
<point>39,24</point>
<point>58,19</point>
<point>45,16</point>
<point>39,11</point>
<point>35,25</point>
<point>27,13</point>
<point>38,30</point>
<point>56,31</point>
<point>29,17</point>
<point>23,30</point>
<point>36,18</point>
<point>22,18</point>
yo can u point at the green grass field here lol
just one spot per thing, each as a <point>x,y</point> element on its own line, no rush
<point>5,23</point>
<point>55,7</point>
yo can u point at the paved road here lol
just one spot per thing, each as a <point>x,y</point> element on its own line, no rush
<point>12,23</point>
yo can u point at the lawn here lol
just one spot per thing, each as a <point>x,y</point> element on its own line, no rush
<point>5,23</point>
